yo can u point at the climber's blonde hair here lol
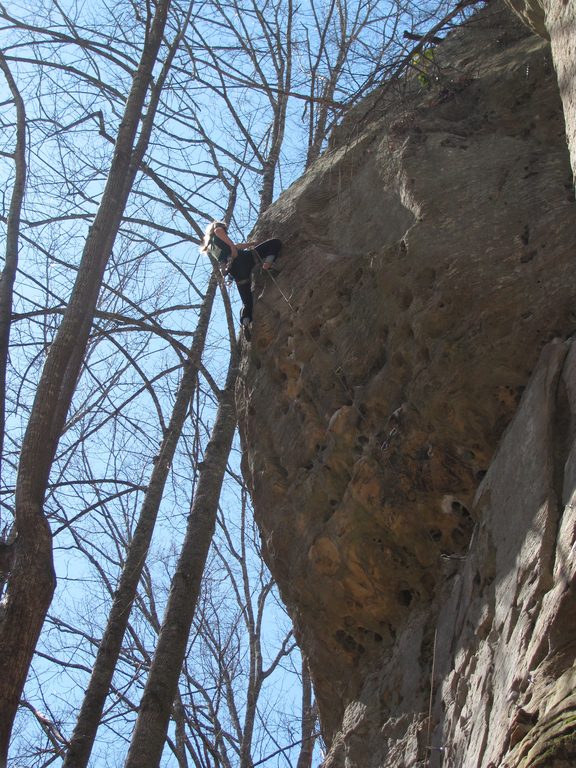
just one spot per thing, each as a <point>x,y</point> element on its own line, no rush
<point>210,231</point>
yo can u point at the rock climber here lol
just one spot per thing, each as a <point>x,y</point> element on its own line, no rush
<point>238,261</point>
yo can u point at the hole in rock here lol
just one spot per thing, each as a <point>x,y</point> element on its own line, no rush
<point>435,534</point>
<point>368,633</point>
<point>408,332</point>
<point>388,630</point>
<point>344,294</point>
<point>379,363</point>
<point>405,597</point>
<point>347,642</point>
<point>423,453</point>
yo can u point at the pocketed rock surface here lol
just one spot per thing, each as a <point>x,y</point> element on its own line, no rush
<point>555,20</point>
<point>411,462</point>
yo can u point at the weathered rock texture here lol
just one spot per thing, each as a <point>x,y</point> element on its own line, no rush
<point>506,635</point>
<point>429,259</point>
<point>556,20</point>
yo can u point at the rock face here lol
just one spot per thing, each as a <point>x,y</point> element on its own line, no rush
<point>429,263</point>
<point>506,634</point>
<point>556,21</point>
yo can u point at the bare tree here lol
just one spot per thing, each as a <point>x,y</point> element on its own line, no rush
<point>31,582</point>
<point>12,241</point>
<point>309,718</point>
<point>341,47</point>
<point>156,705</point>
<point>251,595</point>
<point>109,648</point>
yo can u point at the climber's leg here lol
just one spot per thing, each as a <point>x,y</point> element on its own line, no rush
<point>268,251</point>
<point>245,291</point>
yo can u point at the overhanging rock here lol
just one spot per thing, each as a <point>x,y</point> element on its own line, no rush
<point>429,258</point>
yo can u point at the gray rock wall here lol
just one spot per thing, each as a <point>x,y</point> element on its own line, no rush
<point>506,640</point>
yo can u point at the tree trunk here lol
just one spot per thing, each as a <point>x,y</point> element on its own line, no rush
<point>12,237</point>
<point>88,721</point>
<point>308,720</point>
<point>155,708</point>
<point>180,740</point>
<point>32,580</point>
<point>256,673</point>
<point>270,166</point>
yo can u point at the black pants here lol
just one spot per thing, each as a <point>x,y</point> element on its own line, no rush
<point>241,270</point>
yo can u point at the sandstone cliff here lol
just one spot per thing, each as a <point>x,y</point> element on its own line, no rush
<point>411,462</point>
<point>556,21</point>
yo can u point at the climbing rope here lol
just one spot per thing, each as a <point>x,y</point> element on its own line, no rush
<point>432,673</point>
